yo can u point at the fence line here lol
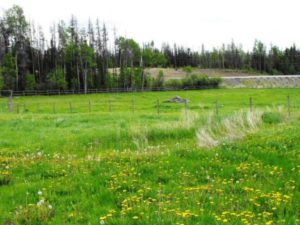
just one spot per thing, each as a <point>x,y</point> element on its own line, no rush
<point>103,90</point>
<point>107,106</point>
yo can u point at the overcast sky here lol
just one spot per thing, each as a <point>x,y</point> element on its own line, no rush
<point>186,22</point>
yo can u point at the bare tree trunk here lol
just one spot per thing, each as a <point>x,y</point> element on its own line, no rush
<point>131,71</point>
<point>64,66</point>
<point>39,66</point>
<point>85,79</point>
<point>17,72</point>
<point>143,74</point>
<point>33,67</point>
<point>84,72</point>
<point>143,79</point>
<point>32,47</point>
<point>78,75</point>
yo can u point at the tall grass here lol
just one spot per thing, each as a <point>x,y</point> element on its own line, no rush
<point>234,127</point>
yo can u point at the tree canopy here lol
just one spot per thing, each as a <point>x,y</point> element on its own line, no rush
<point>84,57</point>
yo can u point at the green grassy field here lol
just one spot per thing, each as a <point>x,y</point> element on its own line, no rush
<point>101,162</point>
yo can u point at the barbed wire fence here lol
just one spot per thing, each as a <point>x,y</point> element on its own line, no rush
<point>157,106</point>
<point>6,93</point>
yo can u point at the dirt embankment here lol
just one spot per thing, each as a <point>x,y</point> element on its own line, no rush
<point>232,78</point>
<point>283,81</point>
<point>171,73</point>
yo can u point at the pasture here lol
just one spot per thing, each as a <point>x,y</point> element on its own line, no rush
<point>132,158</point>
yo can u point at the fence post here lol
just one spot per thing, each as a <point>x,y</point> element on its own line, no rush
<point>251,104</point>
<point>289,105</point>
<point>132,105</point>
<point>9,104</point>
<point>70,107</point>
<point>217,107</point>
<point>90,106</point>
<point>158,106</point>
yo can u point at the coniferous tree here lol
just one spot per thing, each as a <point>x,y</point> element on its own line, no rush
<point>76,57</point>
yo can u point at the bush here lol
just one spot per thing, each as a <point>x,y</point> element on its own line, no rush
<point>57,80</point>
<point>187,69</point>
<point>187,82</point>
<point>173,83</point>
<point>276,72</point>
<point>194,81</point>
<point>215,81</point>
<point>30,82</point>
<point>159,81</point>
<point>202,80</point>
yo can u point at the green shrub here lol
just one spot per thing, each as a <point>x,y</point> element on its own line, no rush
<point>203,80</point>
<point>215,80</point>
<point>188,69</point>
<point>187,82</point>
<point>276,72</point>
<point>57,80</point>
<point>194,81</point>
<point>30,82</point>
<point>173,83</point>
<point>159,80</point>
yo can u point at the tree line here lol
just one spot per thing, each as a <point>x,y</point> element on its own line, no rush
<point>83,57</point>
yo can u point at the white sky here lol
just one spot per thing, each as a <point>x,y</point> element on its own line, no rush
<point>186,22</point>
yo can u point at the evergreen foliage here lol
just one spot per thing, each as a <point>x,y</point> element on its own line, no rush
<point>79,58</point>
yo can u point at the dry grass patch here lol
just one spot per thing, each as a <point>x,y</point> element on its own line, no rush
<point>229,129</point>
